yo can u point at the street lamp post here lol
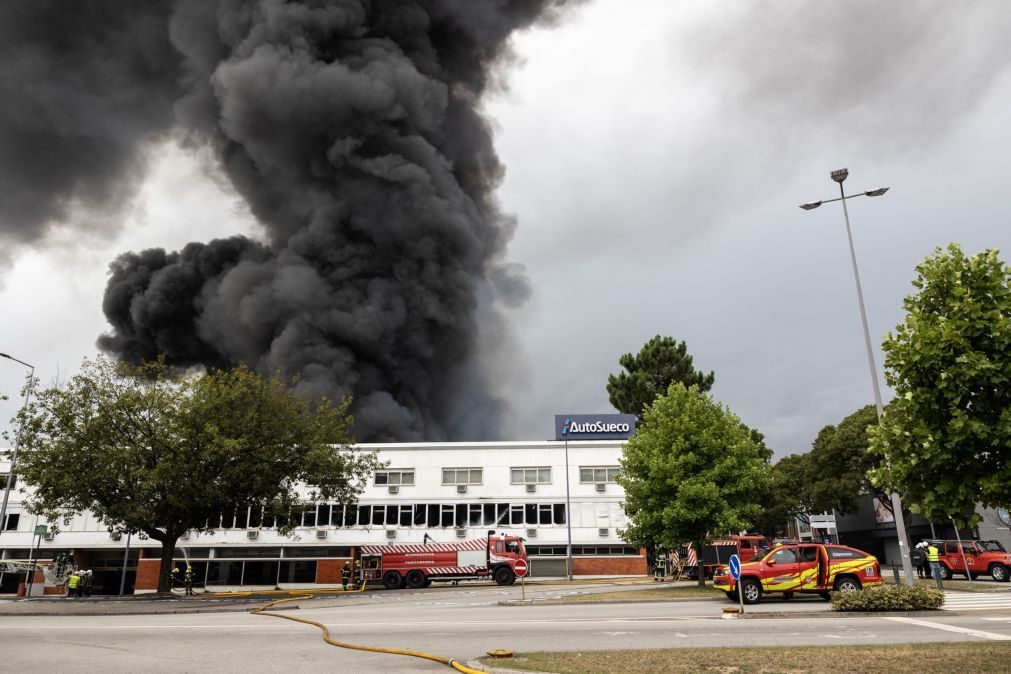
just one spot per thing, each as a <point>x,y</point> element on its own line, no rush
<point>840,176</point>
<point>17,442</point>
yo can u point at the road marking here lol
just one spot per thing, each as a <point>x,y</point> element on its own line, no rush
<point>975,601</point>
<point>953,628</point>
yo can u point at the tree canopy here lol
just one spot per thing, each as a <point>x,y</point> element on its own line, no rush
<point>839,463</point>
<point>788,496</point>
<point>148,451</point>
<point>649,373</point>
<point>945,439</point>
<point>692,470</point>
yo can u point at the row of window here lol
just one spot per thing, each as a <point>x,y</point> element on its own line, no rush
<point>475,476</point>
<point>404,515</point>
<point>581,551</point>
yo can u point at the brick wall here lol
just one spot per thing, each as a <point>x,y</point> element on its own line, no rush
<point>609,566</point>
<point>147,574</point>
<point>328,571</point>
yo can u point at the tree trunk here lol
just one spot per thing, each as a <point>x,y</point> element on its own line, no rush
<point>701,568</point>
<point>168,546</point>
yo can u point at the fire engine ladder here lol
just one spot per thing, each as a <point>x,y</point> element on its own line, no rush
<point>678,570</point>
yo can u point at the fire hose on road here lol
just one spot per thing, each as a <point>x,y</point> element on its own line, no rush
<point>358,647</point>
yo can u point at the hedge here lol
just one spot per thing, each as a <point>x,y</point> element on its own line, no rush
<point>889,598</point>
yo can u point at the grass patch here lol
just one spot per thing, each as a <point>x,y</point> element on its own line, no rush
<point>981,585</point>
<point>680,592</point>
<point>885,659</point>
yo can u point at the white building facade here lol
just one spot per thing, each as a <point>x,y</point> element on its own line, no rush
<point>445,491</point>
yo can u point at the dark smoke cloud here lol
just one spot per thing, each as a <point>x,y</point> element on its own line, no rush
<point>353,130</point>
<point>82,91</point>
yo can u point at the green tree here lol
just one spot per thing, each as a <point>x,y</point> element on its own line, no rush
<point>649,373</point>
<point>840,462</point>
<point>788,497</point>
<point>147,451</point>
<point>945,439</point>
<point>692,470</point>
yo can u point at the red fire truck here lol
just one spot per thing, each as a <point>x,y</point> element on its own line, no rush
<point>417,566</point>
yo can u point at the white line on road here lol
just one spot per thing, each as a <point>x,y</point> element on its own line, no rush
<point>953,628</point>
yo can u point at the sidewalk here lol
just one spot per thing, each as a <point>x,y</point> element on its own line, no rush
<point>243,599</point>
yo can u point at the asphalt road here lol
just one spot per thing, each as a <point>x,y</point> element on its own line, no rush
<point>460,623</point>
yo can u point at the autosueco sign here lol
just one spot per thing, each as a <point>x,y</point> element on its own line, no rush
<point>594,426</point>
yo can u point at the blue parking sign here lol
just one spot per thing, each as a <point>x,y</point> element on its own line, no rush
<point>735,566</point>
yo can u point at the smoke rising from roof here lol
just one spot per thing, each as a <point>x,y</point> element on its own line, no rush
<point>354,132</point>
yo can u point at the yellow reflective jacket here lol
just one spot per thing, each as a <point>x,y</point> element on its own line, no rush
<point>74,581</point>
<point>932,554</point>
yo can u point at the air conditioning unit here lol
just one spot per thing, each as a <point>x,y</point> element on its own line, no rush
<point>601,486</point>
<point>461,532</point>
<point>49,535</point>
<point>393,489</point>
<point>461,489</point>
<point>531,533</point>
<point>603,532</point>
<point>391,533</point>
<point>115,535</point>
<point>321,533</point>
<point>252,534</point>
<point>531,488</point>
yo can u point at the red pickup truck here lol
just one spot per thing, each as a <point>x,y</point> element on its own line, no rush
<point>806,568</point>
<point>981,557</point>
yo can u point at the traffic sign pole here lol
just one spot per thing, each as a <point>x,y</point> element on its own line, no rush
<point>735,571</point>
<point>520,569</point>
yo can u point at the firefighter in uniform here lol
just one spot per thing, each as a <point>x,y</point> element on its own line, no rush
<point>357,575</point>
<point>345,575</point>
<point>188,580</point>
<point>175,577</point>
<point>935,564</point>
<point>73,584</point>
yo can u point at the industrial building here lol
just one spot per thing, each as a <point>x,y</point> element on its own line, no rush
<point>445,491</point>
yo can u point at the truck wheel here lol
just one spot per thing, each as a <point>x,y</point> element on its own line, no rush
<point>999,573</point>
<point>847,584</point>
<point>504,576</point>
<point>415,579</point>
<point>428,582</point>
<point>945,573</point>
<point>392,580</point>
<point>732,596</point>
<point>752,591</point>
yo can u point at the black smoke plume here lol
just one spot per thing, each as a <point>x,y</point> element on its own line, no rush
<point>353,130</point>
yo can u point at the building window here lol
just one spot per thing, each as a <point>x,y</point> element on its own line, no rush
<point>597,474</point>
<point>3,481</point>
<point>13,519</point>
<point>398,477</point>
<point>452,476</point>
<point>533,475</point>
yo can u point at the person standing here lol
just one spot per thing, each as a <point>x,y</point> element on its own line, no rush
<point>188,580</point>
<point>933,558</point>
<point>73,584</point>
<point>345,576</point>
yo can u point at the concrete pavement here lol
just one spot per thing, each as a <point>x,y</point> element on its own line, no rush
<point>461,623</point>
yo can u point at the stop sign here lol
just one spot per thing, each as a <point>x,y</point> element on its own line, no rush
<point>520,567</point>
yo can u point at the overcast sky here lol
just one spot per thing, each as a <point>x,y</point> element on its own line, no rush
<point>656,154</point>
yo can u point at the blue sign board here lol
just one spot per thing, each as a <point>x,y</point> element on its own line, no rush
<point>735,566</point>
<point>594,426</point>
